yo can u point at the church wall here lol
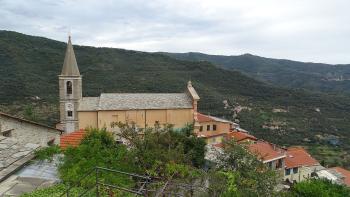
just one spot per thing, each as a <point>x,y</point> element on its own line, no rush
<point>179,117</point>
<point>29,132</point>
<point>101,119</point>
<point>87,119</point>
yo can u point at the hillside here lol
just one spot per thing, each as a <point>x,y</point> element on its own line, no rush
<point>285,73</point>
<point>29,67</point>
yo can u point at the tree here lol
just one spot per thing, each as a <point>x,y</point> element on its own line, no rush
<point>97,148</point>
<point>319,187</point>
<point>240,173</point>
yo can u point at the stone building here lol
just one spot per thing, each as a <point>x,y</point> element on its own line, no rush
<point>25,131</point>
<point>142,109</point>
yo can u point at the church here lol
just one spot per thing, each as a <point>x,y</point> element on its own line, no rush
<point>142,109</point>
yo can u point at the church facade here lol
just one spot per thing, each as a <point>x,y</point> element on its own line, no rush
<point>142,109</point>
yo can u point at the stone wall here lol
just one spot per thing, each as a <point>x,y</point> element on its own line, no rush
<point>29,132</point>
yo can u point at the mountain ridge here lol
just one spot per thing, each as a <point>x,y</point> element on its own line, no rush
<point>29,69</point>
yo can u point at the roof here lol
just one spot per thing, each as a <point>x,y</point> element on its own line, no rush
<point>70,66</point>
<point>345,173</point>
<point>72,139</point>
<point>89,104</point>
<point>14,154</point>
<point>297,156</point>
<point>30,122</point>
<point>239,136</point>
<point>208,118</point>
<point>266,151</point>
<point>209,134</point>
<point>134,101</point>
<point>192,91</point>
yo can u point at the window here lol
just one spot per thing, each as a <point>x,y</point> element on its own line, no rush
<point>214,127</point>
<point>70,113</point>
<point>279,163</point>
<point>208,127</point>
<point>69,87</point>
<point>201,128</point>
<point>287,171</point>
<point>7,133</point>
<point>51,142</point>
<point>295,170</point>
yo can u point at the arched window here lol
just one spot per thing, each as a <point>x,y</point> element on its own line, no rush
<point>69,87</point>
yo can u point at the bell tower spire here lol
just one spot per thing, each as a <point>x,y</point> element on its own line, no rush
<point>70,90</point>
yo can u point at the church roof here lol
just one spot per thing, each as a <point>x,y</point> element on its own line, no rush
<point>134,101</point>
<point>70,66</point>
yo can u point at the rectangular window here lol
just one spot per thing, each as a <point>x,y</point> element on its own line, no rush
<point>214,127</point>
<point>287,171</point>
<point>70,113</point>
<point>201,128</point>
<point>295,170</point>
<point>7,133</point>
<point>208,127</point>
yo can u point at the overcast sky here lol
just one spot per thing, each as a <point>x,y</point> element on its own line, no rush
<point>305,30</point>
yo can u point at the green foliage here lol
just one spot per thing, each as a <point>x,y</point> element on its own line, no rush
<point>163,151</point>
<point>240,173</point>
<point>29,113</point>
<point>96,149</point>
<point>47,153</point>
<point>319,187</point>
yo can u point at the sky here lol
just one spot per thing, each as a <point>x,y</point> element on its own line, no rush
<point>303,30</point>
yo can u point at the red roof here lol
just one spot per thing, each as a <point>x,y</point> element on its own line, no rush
<point>239,136</point>
<point>266,151</point>
<point>209,134</point>
<point>345,173</point>
<point>72,139</point>
<point>297,156</point>
<point>204,118</point>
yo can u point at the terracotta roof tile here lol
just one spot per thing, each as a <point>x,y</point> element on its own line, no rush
<point>71,139</point>
<point>239,136</point>
<point>266,151</point>
<point>297,156</point>
<point>345,173</point>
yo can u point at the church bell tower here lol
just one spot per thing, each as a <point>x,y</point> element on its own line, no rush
<point>70,91</point>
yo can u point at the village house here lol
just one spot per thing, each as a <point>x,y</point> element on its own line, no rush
<point>214,129</point>
<point>299,165</point>
<point>19,140</point>
<point>270,154</point>
<point>142,109</point>
<point>336,175</point>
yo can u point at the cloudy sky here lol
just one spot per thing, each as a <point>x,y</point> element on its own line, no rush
<point>305,30</point>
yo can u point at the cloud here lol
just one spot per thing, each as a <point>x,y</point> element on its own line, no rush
<point>313,30</point>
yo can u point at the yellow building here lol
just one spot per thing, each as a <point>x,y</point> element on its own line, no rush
<point>142,109</point>
<point>213,129</point>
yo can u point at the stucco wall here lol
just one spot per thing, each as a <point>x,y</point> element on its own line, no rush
<point>29,133</point>
<point>177,117</point>
<point>87,119</point>
<point>214,140</point>
<point>304,172</point>
<point>220,126</point>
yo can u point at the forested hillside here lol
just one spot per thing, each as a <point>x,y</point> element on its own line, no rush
<point>29,87</point>
<point>285,73</point>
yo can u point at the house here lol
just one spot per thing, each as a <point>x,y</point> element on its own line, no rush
<point>336,175</point>
<point>19,140</point>
<point>345,175</point>
<point>271,155</point>
<point>300,165</point>
<point>26,131</point>
<point>142,109</point>
<point>213,129</point>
